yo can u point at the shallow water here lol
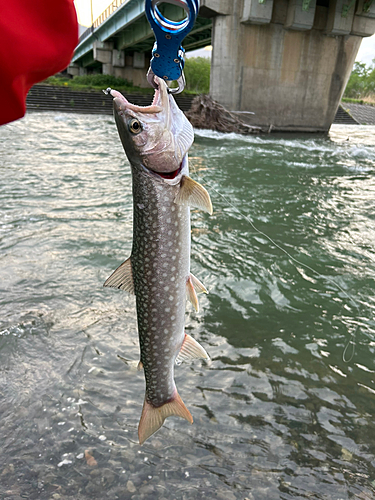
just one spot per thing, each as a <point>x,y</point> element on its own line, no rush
<point>278,413</point>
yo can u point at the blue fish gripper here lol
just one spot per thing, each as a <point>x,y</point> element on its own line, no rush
<point>167,60</point>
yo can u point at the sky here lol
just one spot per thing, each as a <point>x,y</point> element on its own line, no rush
<point>365,54</point>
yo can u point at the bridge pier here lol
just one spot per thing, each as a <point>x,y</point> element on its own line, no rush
<point>131,67</point>
<point>288,62</point>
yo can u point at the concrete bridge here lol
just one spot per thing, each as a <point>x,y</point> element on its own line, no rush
<point>287,61</point>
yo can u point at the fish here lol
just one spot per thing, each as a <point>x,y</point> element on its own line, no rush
<point>156,140</point>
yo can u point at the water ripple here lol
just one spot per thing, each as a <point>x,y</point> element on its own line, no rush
<point>277,412</point>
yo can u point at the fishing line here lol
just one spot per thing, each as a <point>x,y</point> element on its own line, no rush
<point>352,341</point>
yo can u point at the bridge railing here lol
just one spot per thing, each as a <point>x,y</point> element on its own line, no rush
<point>103,16</point>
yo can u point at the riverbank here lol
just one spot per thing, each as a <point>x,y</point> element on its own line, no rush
<point>67,100</point>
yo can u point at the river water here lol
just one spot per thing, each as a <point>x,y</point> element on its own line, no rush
<point>285,407</point>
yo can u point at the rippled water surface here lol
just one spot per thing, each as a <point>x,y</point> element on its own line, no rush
<point>282,410</point>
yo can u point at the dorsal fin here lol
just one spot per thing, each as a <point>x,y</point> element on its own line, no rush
<point>122,277</point>
<point>193,194</point>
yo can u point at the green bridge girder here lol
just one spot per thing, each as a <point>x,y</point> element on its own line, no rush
<point>128,29</point>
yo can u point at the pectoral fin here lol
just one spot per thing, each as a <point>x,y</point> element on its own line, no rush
<point>153,417</point>
<point>122,278</point>
<point>191,349</point>
<point>193,194</point>
<point>198,286</point>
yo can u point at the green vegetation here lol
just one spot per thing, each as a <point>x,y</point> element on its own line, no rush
<point>95,82</point>
<point>354,101</point>
<point>197,75</point>
<point>361,84</point>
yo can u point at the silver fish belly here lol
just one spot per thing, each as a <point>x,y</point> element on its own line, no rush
<point>156,140</point>
<point>161,267</point>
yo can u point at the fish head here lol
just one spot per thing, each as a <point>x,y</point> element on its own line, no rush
<point>157,136</point>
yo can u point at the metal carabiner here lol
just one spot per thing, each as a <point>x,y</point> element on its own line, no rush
<point>167,60</point>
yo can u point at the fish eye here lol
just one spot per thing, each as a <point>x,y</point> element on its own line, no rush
<point>135,126</point>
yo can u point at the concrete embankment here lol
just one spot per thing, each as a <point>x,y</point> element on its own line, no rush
<point>360,114</point>
<point>65,100</point>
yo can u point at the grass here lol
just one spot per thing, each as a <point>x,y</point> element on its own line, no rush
<point>369,100</point>
<point>197,74</point>
<point>95,82</point>
<point>352,100</point>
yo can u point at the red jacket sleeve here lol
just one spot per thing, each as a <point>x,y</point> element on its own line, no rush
<point>37,40</point>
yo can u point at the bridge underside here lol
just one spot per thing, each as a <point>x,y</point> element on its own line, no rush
<point>286,61</point>
<point>124,51</point>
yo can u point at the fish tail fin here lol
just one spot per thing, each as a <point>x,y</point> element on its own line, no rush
<point>153,417</point>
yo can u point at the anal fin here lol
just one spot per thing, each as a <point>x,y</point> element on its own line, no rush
<point>191,349</point>
<point>193,194</point>
<point>152,417</point>
<point>122,277</point>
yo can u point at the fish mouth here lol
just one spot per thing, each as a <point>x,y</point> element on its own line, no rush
<point>168,175</point>
<point>159,101</point>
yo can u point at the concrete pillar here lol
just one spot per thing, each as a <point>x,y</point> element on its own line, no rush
<point>300,15</point>
<point>364,19</point>
<point>292,79</point>
<point>257,12</point>
<point>103,51</point>
<point>107,69</point>
<point>139,60</point>
<point>73,69</point>
<point>118,58</point>
<point>363,26</point>
<point>340,17</point>
<point>134,69</point>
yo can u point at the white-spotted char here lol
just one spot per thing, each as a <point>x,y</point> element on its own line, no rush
<point>156,140</point>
